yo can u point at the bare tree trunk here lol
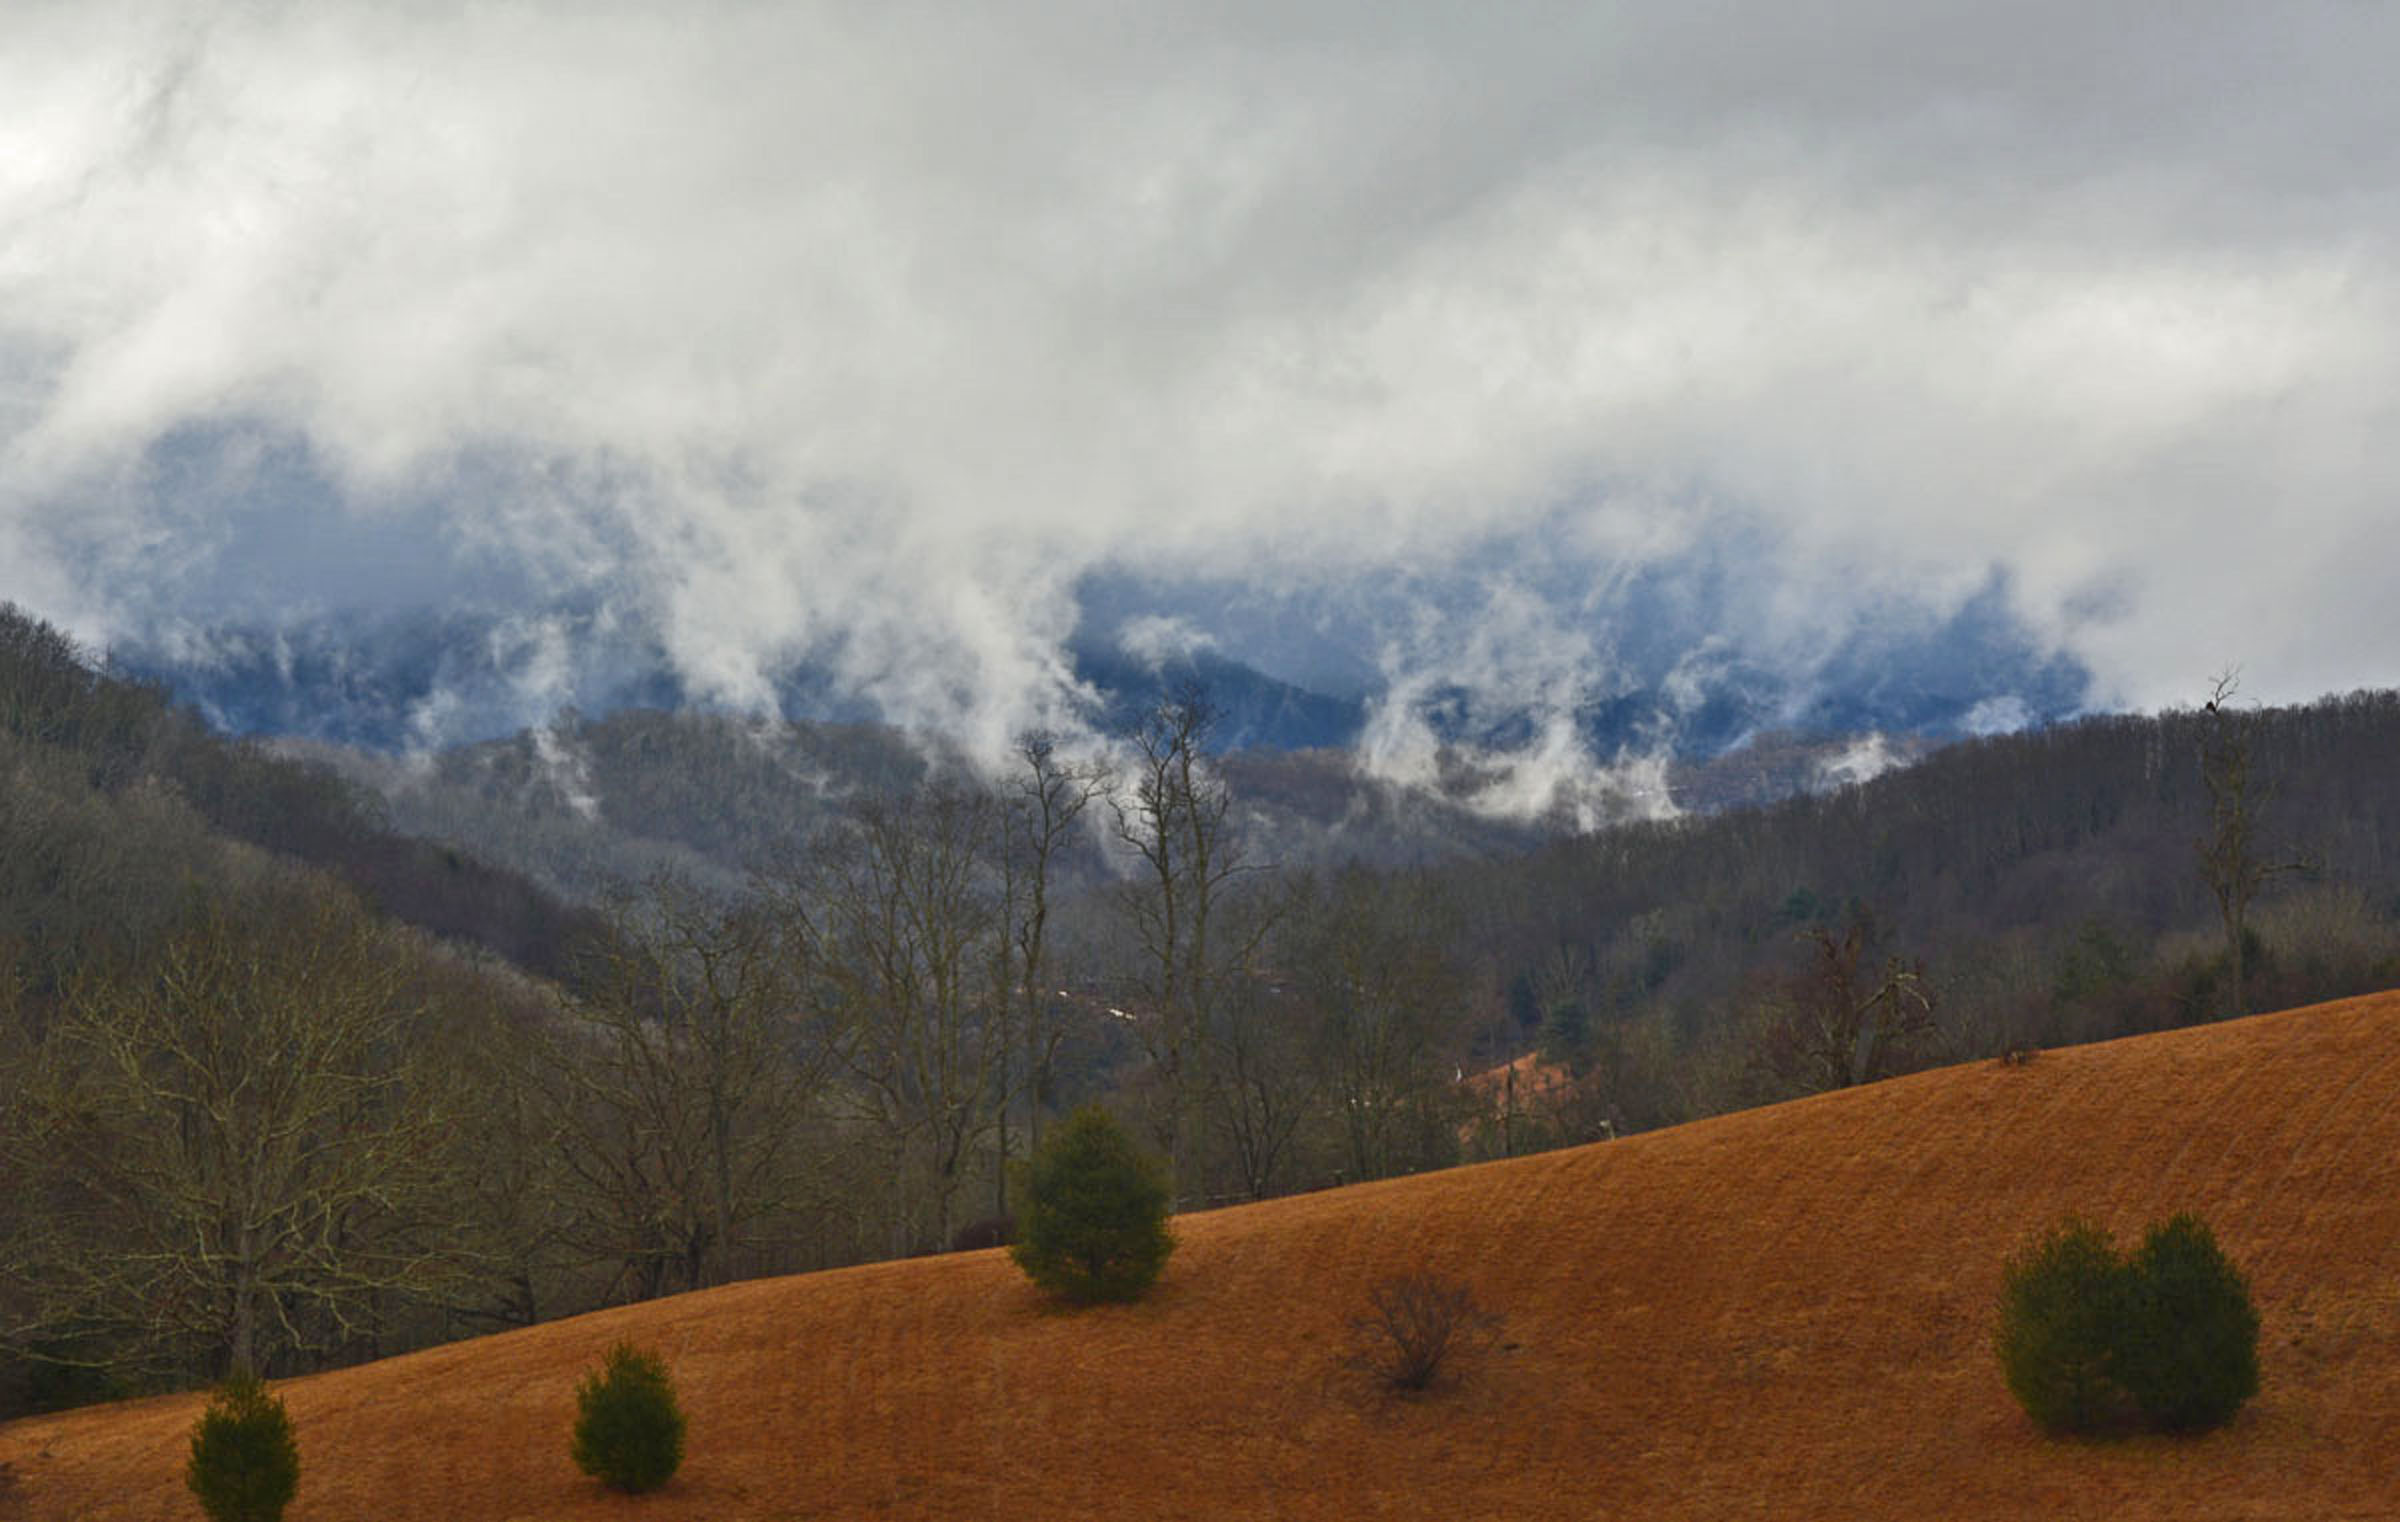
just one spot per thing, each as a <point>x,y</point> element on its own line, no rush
<point>907,909</point>
<point>2229,860</point>
<point>1041,818</point>
<point>1177,821</point>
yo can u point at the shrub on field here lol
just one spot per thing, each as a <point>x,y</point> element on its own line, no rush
<point>245,1463</point>
<point>2090,1340</point>
<point>628,1425</point>
<point>1093,1222</point>
<point>1415,1325</point>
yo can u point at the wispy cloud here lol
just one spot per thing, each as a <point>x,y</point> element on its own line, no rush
<point>858,334</point>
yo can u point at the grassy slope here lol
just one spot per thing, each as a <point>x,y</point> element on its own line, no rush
<point>1784,1312</point>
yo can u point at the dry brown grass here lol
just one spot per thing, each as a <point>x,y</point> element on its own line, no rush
<point>1780,1313</point>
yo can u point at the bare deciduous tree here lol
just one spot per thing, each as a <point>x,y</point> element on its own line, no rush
<point>2230,862</point>
<point>691,1065</point>
<point>1038,817</point>
<point>1831,1027</point>
<point>906,925</point>
<point>1176,820</point>
<point>518,1199</point>
<point>242,1154</point>
<point>1259,1083</point>
<point>1370,952</point>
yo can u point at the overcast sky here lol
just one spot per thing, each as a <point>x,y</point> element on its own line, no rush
<point>857,331</point>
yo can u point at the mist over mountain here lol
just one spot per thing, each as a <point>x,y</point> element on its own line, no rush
<point>1547,654</point>
<point>1550,398</point>
<point>1543,671</point>
<point>1287,673</point>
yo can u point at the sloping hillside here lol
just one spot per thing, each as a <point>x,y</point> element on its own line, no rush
<point>1783,1312</point>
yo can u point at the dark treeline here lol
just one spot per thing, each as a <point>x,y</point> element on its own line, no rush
<point>223,1009</point>
<point>109,742</point>
<point>281,1088</point>
<point>2052,883</point>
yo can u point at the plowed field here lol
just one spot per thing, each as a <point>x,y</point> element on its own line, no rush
<point>1782,1313</point>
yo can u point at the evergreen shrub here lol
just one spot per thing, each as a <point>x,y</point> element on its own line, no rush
<point>2058,1317</point>
<point>2090,1340</point>
<point>245,1463</point>
<point>1092,1225</point>
<point>628,1425</point>
<point>2189,1356</point>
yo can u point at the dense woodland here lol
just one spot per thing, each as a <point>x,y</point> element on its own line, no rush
<point>665,1001</point>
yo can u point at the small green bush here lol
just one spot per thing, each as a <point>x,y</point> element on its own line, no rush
<point>2189,1356</point>
<point>2089,1339</point>
<point>2058,1321</point>
<point>245,1464</point>
<point>628,1426</point>
<point>1093,1225</point>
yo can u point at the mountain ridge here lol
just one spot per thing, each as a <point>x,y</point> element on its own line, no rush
<point>1290,671</point>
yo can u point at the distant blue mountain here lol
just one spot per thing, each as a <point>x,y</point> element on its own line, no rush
<point>1256,712</point>
<point>1287,673</point>
<point>396,681</point>
<point>1666,650</point>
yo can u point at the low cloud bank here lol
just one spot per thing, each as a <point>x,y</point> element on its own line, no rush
<point>844,345</point>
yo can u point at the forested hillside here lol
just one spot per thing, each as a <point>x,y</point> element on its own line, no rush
<point>2054,884</point>
<point>836,982</point>
<point>243,1042</point>
<point>109,786</point>
<point>587,806</point>
<point>281,1088</point>
<point>2036,887</point>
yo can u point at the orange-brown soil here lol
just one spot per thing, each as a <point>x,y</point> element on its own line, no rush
<point>1782,1313</point>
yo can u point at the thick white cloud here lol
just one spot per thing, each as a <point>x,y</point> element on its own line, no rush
<point>859,331</point>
